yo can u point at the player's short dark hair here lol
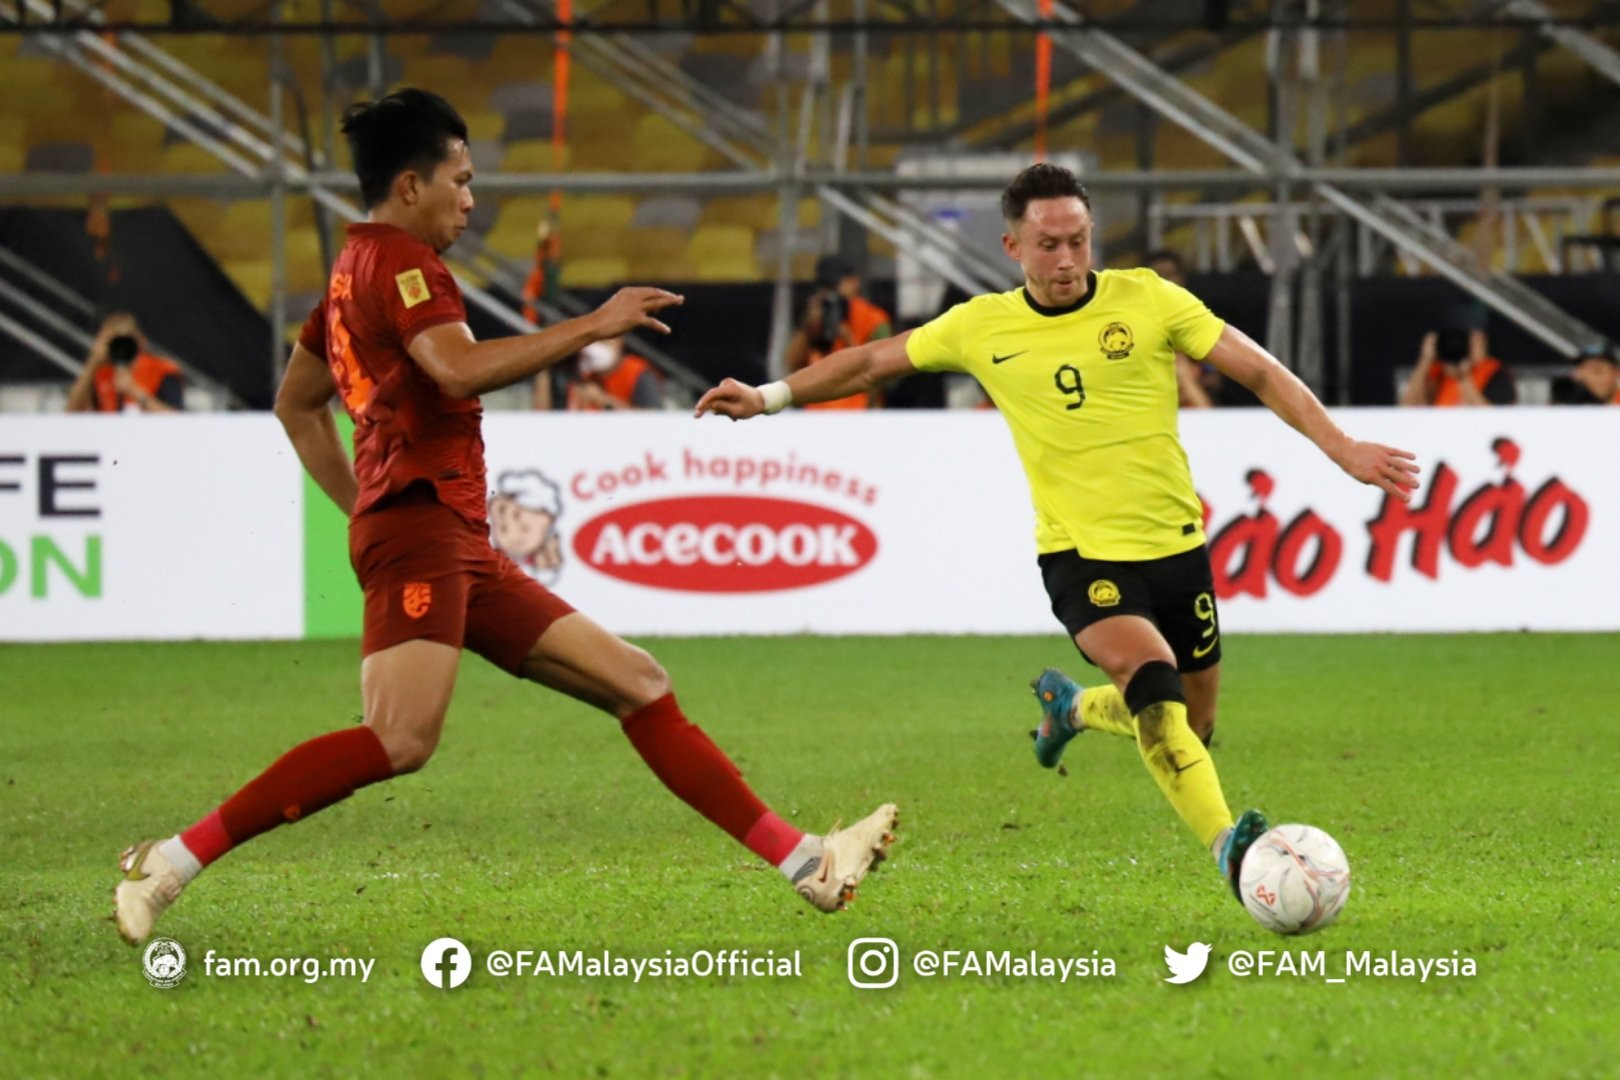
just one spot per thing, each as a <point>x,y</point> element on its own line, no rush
<point>1042,181</point>
<point>407,130</point>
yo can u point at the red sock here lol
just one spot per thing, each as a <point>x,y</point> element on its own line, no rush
<point>307,778</point>
<point>701,775</point>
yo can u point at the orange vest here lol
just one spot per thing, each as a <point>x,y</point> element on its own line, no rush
<point>863,319</point>
<point>1448,392</point>
<point>147,370</point>
<point>619,384</point>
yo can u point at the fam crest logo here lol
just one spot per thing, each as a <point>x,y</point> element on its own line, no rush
<point>523,513</point>
<point>164,963</point>
<point>1116,340</point>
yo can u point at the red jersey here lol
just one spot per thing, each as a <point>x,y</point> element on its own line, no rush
<point>387,287</point>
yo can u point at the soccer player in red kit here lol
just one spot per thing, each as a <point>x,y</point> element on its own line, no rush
<point>390,339</point>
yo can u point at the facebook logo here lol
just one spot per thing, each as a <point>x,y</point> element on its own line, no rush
<point>446,963</point>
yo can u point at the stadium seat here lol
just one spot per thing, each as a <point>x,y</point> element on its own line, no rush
<point>679,211</point>
<point>201,216</point>
<point>723,253</point>
<point>184,157</point>
<point>755,211</point>
<point>252,277</point>
<point>595,273</point>
<point>533,156</point>
<point>660,146</point>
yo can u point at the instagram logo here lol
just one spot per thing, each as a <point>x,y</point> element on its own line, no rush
<point>874,963</point>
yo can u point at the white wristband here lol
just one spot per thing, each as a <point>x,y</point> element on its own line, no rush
<point>777,397</point>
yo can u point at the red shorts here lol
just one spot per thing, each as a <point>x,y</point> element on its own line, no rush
<point>430,575</point>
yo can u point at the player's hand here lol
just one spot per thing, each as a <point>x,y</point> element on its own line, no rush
<point>632,309</point>
<point>731,398</point>
<point>124,381</point>
<point>1384,467</point>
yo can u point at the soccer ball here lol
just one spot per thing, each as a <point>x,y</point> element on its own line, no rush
<point>1295,879</point>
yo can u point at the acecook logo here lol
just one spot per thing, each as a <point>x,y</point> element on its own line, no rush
<point>725,544</point>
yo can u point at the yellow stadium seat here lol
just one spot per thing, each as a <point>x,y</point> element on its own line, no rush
<point>200,216</point>
<point>512,234</point>
<point>721,242</point>
<point>597,211</point>
<point>665,268</point>
<point>759,212</point>
<point>533,156</point>
<point>662,243</point>
<point>305,271</point>
<point>594,273</point>
<point>243,233</point>
<point>727,269</point>
<point>724,253</point>
<point>604,150</point>
<point>252,276</point>
<point>661,146</point>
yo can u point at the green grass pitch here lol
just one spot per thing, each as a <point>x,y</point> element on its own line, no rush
<point>1471,779</point>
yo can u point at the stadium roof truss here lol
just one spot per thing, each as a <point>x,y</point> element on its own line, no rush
<point>816,145</point>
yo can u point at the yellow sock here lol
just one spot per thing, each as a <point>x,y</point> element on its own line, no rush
<point>1183,768</point>
<point>1102,708</point>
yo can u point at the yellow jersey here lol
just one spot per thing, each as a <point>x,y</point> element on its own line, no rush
<point>1089,391</point>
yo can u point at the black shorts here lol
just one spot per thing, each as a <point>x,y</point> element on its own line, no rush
<point>1176,594</point>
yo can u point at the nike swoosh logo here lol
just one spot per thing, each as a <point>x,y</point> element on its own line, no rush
<point>994,359</point>
<point>135,873</point>
<point>820,862</point>
<point>1200,653</point>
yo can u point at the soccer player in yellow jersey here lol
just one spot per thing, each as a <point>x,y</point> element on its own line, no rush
<point>1081,364</point>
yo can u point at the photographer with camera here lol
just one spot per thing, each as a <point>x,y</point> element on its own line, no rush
<point>1595,379</point>
<point>119,374</point>
<point>1454,368</point>
<point>837,317</point>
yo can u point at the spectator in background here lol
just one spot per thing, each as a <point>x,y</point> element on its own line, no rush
<point>1198,386</point>
<point>1455,368</point>
<point>837,317</point>
<point>607,377</point>
<point>1595,379</point>
<point>538,287</point>
<point>120,375</point>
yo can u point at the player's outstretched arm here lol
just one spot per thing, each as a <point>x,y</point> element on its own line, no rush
<point>465,367</point>
<point>845,372</point>
<point>1240,357</point>
<point>303,405</point>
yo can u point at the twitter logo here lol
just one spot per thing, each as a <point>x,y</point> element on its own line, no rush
<point>1186,967</point>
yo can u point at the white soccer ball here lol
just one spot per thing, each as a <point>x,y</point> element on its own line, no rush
<point>1295,879</point>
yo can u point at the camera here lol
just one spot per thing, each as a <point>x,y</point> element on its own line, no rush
<point>123,348</point>
<point>1451,346</point>
<point>831,309</point>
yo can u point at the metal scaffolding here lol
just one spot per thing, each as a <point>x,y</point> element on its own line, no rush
<point>1325,221</point>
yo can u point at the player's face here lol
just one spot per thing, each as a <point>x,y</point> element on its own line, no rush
<point>445,199</point>
<point>1053,245</point>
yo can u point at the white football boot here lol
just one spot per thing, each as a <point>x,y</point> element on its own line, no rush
<point>150,885</point>
<point>847,855</point>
